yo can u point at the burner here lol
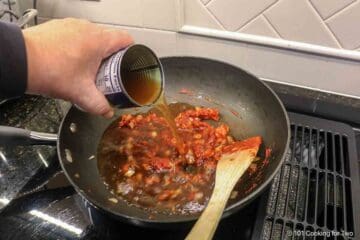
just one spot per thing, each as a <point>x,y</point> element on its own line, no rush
<point>316,193</point>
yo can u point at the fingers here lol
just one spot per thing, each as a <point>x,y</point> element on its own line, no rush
<point>115,40</point>
<point>93,101</point>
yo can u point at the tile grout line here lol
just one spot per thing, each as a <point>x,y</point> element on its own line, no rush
<point>251,19</point>
<point>214,17</point>
<point>207,3</point>
<point>333,34</point>
<point>272,26</point>
<point>247,23</point>
<point>325,25</point>
<point>340,10</point>
<point>356,48</point>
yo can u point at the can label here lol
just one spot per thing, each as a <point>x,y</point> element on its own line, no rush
<point>108,78</point>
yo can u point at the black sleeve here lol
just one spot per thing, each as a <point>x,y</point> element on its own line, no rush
<point>13,62</point>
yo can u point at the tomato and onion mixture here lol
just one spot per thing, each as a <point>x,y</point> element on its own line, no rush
<point>140,162</point>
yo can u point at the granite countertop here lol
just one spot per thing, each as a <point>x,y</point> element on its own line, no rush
<point>19,164</point>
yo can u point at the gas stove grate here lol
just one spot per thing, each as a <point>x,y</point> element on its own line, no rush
<point>316,193</point>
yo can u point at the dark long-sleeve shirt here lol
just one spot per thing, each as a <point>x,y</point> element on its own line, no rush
<point>13,62</point>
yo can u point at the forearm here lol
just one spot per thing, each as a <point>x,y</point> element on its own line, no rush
<point>13,62</point>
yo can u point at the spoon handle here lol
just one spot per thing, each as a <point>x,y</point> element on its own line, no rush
<point>206,225</point>
<point>230,169</point>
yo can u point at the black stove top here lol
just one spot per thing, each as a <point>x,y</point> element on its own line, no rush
<point>316,190</point>
<point>60,213</point>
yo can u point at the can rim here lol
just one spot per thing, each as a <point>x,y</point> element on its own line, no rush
<point>162,76</point>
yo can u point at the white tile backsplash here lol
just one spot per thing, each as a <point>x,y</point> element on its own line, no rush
<point>281,65</point>
<point>346,26</point>
<point>106,11</point>
<point>260,26</point>
<point>195,13</point>
<point>205,1</point>
<point>159,14</point>
<point>190,45</point>
<point>233,14</point>
<point>297,20</point>
<point>326,8</point>
<point>162,42</point>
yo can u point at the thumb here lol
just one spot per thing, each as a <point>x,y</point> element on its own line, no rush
<point>114,40</point>
<point>93,101</point>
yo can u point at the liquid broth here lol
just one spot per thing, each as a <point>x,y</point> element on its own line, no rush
<point>163,107</point>
<point>142,86</point>
<point>145,90</point>
<point>110,160</point>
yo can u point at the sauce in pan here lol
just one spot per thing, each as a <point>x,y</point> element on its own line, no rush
<point>139,160</point>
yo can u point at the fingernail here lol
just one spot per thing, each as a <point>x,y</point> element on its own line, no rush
<point>109,114</point>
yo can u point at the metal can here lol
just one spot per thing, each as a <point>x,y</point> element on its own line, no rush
<point>131,77</point>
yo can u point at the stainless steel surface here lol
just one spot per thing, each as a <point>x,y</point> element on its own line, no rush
<point>43,137</point>
<point>28,16</point>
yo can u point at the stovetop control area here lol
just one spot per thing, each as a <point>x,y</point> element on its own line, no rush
<point>314,196</point>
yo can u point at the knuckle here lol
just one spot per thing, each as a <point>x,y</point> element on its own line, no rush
<point>91,103</point>
<point>101,108</point>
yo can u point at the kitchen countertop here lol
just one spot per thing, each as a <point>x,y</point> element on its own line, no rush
<point>313,94</point>
<point>319,104</point>
<point>20,163</point>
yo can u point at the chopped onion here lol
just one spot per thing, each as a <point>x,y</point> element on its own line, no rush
<point>129,172</point>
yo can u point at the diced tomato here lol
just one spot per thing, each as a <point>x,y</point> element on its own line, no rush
<point>164,195</point>
<point>150,180</point>
<point>162,172</point>
<point>161,163</point>
<point>222,130</point>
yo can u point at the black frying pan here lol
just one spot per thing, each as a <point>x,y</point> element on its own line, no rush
<point>245,103</point>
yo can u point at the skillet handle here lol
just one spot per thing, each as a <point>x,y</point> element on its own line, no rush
<point>10,136</point>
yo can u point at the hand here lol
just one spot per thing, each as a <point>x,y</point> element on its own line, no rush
<point>63,59</point>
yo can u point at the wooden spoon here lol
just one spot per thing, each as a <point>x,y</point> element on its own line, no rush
<point>232,165</point>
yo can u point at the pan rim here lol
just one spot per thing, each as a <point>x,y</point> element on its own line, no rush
<point>188,218</point>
